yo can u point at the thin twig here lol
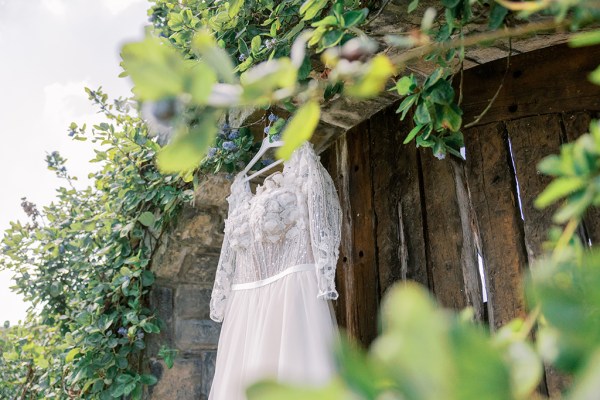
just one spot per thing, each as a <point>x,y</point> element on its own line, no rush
<point>462,68</point>
<point>28,380</point>
<point>566,236</point>
<point>419,52</point>
<point>487,108</point>
<point>383,6</point>
<point>529,323</point>
<point>460,86</point>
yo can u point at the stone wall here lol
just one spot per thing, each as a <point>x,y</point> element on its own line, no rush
<point>185,266</point>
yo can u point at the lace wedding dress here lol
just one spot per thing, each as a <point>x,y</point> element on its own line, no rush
<point>274,279</point>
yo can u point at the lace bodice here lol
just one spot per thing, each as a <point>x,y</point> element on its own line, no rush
<point>293,218</point>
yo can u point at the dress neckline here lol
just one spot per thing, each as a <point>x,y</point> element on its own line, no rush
<point>287,167</point>
<point>260,188</point>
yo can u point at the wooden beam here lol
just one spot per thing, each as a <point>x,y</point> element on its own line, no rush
<point>549,80</point>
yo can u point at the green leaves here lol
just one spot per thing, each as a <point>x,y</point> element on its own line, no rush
<point>146,218</point>
<point>557,189</point>
<point>167,355</point>
<point>372,82</point>
<point>299,129</point>
<point>411,325</point>
<point>71,354</point>
<point>255,44</point>
<point>576,171</point>
<point>147,278</point>
<point>422,114</point>
<point>473,348</point>
<point>437,119</point>
<point>188,148</point>
<point>261,81</point>
<point>92,254</point>
<point>497,15</point>
<point>413,133</point>
<point>585,39</point>
<point>406,85</point>
<point>566,290</point>
<point>311,8</point>
<point>157,70</point>
<point>332,38</point>
<point>271,390</point>
<point>594,76</point>
<point>355,17</point>
<point>235,6</point>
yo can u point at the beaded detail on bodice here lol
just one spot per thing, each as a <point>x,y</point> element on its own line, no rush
<point>293,218</point>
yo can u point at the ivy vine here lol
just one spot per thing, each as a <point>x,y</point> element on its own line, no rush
<point>83,261</point>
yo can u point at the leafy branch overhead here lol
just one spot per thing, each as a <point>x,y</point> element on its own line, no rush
<point>211,59</point>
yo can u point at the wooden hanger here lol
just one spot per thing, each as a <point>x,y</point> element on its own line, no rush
<point>266,145</point>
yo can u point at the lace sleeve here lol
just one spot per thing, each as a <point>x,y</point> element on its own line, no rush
<point>225,271</point>
<point>325,218</point>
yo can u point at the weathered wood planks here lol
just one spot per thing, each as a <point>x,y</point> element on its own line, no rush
<point>494,196</point>
<point>532,139</point>
<point>450,246</point>
<point>397,202</point>
<point>357,276</point>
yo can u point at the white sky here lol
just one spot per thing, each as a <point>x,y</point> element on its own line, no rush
<point>49,51</point>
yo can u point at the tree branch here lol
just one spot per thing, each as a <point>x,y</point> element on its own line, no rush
<point>419,52</point>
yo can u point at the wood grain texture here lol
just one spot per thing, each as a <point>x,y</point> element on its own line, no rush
<point>544,81</point>
<point>363,312</point>
<point>450,248</point>
<point>334,159</point>
<point>397,203</point>
<point>532,139</point>
<point>348,161</point>
<point>468,252</point>
<point>494,198</point>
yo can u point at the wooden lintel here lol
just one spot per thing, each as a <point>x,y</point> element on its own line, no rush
<point>545,81</point>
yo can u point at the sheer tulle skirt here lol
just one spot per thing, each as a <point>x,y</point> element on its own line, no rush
<point>279,331</point>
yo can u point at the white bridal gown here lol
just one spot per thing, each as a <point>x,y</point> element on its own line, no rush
<point>274,279</point>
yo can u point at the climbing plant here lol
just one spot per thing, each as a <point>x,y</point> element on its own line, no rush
<point>82,262</point>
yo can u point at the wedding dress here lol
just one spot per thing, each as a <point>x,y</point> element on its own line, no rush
<point>275,278</point>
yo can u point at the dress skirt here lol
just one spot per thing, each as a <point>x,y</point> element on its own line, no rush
<point>279,330</point>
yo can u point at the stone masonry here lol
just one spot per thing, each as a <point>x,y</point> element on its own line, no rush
<point>185,266</point>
